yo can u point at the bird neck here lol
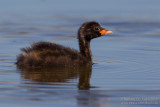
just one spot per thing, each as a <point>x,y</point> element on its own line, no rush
<point>84,46</point>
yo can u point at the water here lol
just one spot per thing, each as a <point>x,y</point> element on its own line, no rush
<point>126,70</point>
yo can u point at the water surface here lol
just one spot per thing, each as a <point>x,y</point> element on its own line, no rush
<point>126,70</point>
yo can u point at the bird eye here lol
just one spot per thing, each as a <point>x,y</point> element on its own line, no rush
<point>96,28</point>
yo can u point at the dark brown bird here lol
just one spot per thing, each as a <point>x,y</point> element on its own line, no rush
<point>49,55</point>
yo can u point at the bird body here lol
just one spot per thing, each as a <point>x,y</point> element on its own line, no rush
<point>48,55</point>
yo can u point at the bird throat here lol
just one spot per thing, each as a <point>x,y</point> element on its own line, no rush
<point>84,46</point>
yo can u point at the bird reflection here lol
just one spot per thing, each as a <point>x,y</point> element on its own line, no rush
<point>84,97</point>
<point>59,75</point>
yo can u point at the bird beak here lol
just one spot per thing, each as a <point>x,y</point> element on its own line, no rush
<point>105,31</point>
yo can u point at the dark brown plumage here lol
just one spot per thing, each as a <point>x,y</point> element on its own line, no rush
<point>46,54</point>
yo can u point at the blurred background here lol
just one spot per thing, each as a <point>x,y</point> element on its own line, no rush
<point>108,10</point>
<point>126,62</point>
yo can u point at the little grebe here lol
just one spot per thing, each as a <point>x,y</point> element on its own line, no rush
<point>46,54</point>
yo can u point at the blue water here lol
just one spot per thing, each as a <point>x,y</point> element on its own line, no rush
<point>126,70</point>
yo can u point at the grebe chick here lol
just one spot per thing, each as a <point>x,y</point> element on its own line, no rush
<point>46,54</point>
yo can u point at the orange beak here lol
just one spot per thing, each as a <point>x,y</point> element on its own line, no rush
<point>105,31</point>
